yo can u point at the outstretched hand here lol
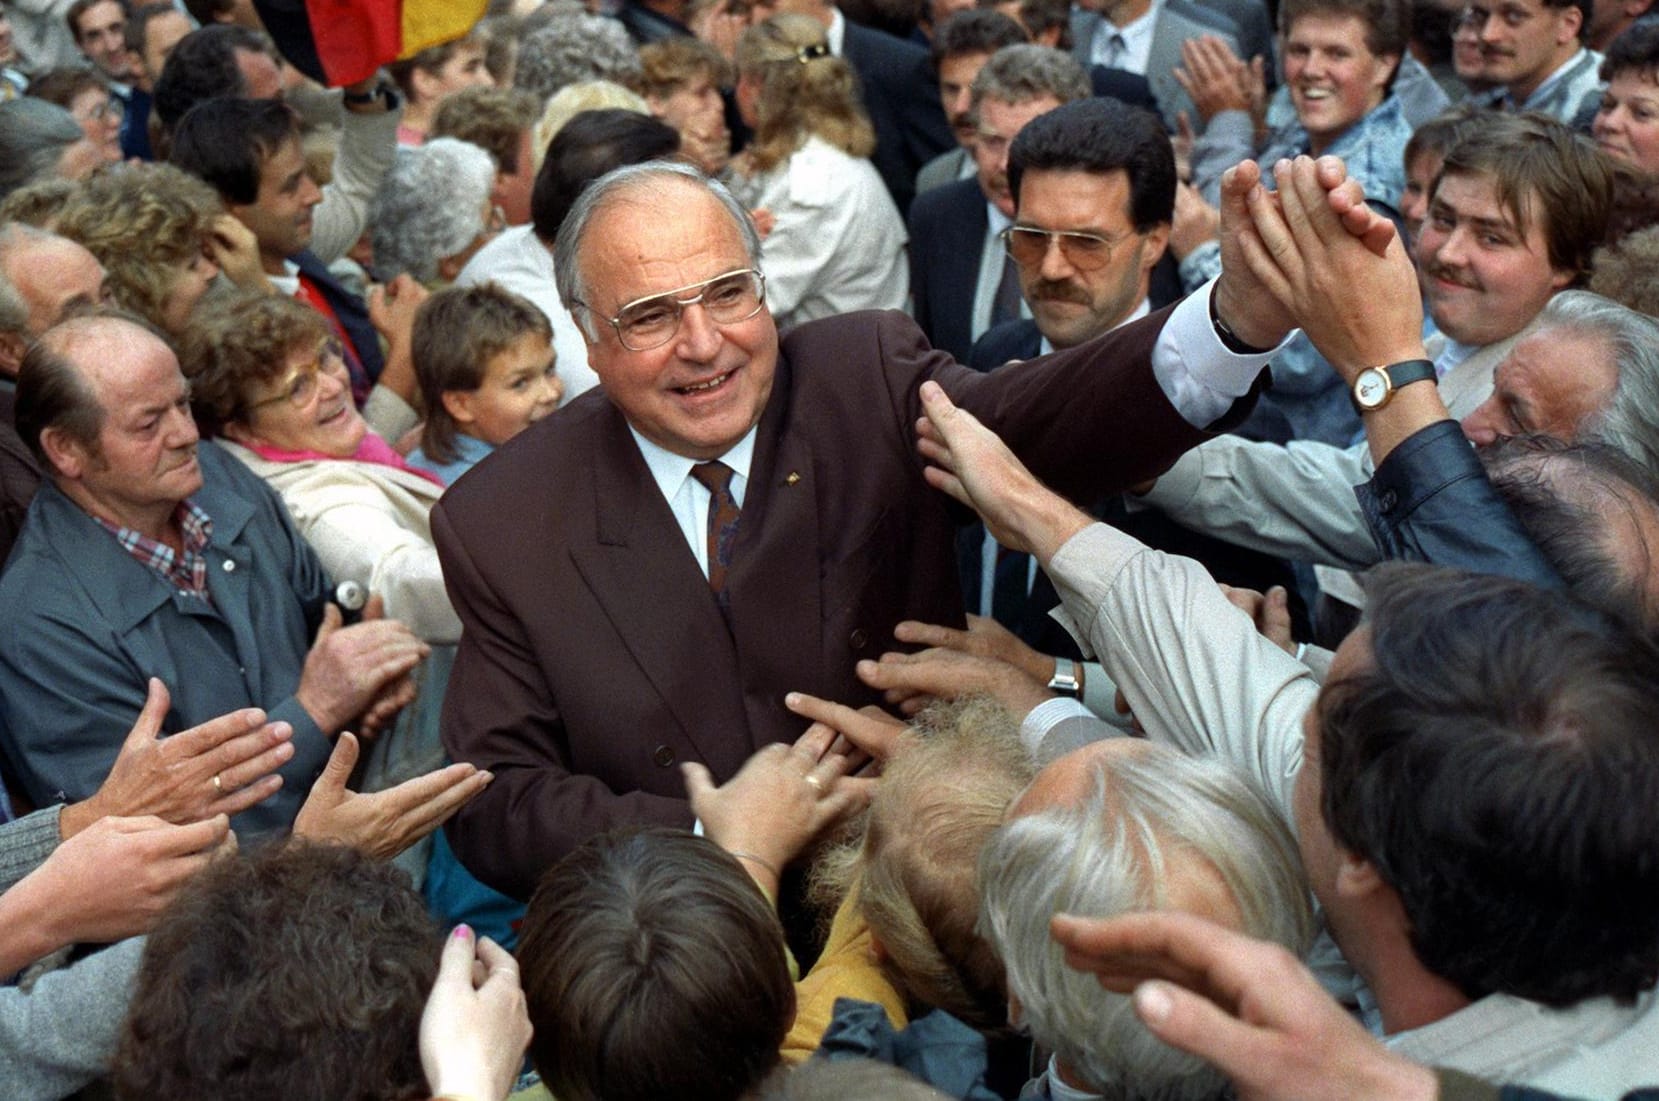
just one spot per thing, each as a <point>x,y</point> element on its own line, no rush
<point>970,463</point>
<point>782,798</point>
<point>1246,1006</point>
<point>224,766</point>
<point>383,823</point>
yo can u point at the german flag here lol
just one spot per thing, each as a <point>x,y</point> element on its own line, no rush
<point>338,42</point>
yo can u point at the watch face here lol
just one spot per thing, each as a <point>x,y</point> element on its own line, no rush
<point>1370,388</point>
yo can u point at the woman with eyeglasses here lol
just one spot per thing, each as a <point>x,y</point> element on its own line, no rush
<point>267,378</point>
<point>837,243</point>
<point>85,95</point>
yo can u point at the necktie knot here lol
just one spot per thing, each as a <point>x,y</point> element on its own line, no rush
<point>716,477</point>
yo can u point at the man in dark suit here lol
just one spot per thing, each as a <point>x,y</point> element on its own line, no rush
<point>1094,188</point>
<point>735,519</point>
<point>960,282</point>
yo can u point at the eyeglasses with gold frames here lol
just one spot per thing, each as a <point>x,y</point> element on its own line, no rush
<point>299,386</point>
<point>1029,246</point>
<point>651,322</point>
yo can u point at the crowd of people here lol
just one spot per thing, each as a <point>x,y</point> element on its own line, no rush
<point>784,550</point>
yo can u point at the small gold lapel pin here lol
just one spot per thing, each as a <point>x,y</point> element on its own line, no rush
<point>794,476</point>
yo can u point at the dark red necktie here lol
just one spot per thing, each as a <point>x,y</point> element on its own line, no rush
<point>716,477</point>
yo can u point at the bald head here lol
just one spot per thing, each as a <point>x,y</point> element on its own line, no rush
<point>43,279</point>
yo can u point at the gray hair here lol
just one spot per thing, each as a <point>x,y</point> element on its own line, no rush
<point>1022,73</point>
<point>430,206</point>
<point>1109,856</point>
<point>1584,504</point>
<point>574,47</point>
<point>1630,422</point>
<point>567,247</point>
<point>33,136</point>
<point>14,311</point>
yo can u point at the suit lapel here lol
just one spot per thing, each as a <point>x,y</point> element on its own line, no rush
<point>774,583</point>
<point>641,572</point>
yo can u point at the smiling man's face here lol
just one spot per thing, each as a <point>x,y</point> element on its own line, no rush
<point>698,394</point>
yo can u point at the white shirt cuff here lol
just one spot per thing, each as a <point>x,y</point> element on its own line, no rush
<point>1197,372</point>
<point>1045,717</point>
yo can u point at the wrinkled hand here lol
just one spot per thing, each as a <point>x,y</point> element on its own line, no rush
<point>476,1026</point>
<point>971,464</point>
<point>348,667</point>
<point>912,681</point>
<point>782,798</point>
<point>1269,611</point>
<point>1244,1005</point>
<point>1196,221</point>
<point>870,730</point>
<point>1315,269</point>
<point>1214,77</point>
<point>173,778</point>
<point>233,247</point>
<point>115,878</point>
<point>383,823</point>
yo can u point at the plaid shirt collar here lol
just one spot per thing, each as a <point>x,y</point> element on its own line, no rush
<point>186,572</point>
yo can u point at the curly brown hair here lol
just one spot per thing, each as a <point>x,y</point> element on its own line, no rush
<point>237,343</point>
<point>297,970</point>
<point>142,224</point>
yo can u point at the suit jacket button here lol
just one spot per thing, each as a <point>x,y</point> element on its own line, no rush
<point>663,756</point>
<point>858,639</point>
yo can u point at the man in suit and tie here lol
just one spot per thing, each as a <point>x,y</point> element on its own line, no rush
<point>738,516</point>
<point>1145,36</point>
<point>961,281</point>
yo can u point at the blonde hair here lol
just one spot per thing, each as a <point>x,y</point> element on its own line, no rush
<point>572,100</point>
<point>142,223</point>
<point>915,871</point>
<point>805,91</point>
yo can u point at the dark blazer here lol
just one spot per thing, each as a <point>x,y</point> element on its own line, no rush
<point>1016,339</point>
<point>901,94</point>
<point>947,236</point>
<point>595,660</point>
<point>1122,85</point>
<point>352,312</point>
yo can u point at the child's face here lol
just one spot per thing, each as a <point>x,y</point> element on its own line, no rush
<point>519,387</point>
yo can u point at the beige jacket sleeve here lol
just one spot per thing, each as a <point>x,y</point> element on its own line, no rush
<point>1194,669</point>
<point>368,144</point>
<point>1295,501</point>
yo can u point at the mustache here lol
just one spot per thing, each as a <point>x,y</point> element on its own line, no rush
<point>1059,290</point>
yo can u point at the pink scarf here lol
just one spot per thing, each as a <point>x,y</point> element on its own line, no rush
<point>373,449</point>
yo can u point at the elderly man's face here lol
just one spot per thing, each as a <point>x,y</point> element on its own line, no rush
<point>999,124</point>
<point>145,461</point>
<point>701,392</point>
<point>54,277</point>
<point>1549,384</point>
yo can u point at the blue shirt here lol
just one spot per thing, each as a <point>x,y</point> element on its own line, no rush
<point>468,451</point>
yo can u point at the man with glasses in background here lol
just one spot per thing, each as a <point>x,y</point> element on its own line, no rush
<point>1534,52</point>
<point>730,516</point>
